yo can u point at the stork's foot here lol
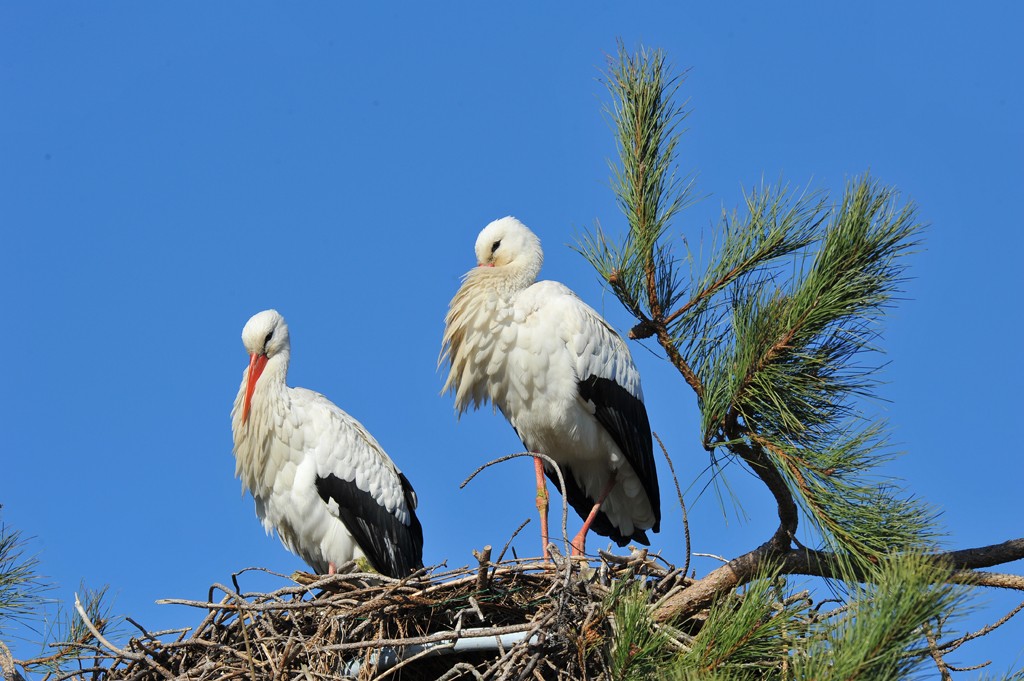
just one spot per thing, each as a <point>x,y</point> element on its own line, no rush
<point>579,542</point>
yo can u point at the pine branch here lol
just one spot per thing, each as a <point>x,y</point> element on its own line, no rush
<point>780,385</point>
<point>882,632</point>
<point>642,272</point>
<point>742,632</point>
<point>21,588</point>
<point>800,344</point>
<point>788,516</point>
<point>959,567</point>
<point>774,226</point>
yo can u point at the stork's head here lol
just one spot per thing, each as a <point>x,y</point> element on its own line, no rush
<point>265,337</point>
<point>508,242</point>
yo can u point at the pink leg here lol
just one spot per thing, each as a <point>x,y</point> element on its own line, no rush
<point>542,503</point>
<point>579,542</point>
<point>332,568</point>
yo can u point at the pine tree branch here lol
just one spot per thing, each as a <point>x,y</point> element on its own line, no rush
<point>772,357</point>
<point>950,646</point>
<point>658,327</point>
<point>759,462</point>
<point>987,556</point>
<point>933,650</point>
<point>952,567</point>
<point>716,583</point>
<point>714,288</point>
<point>649,193</point>
<point>676,358</point>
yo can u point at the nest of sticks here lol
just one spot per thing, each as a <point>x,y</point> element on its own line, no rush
<point>515,619</point>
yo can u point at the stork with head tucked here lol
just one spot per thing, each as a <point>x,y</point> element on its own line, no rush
<point>317,476</point>
<point>562,377</point>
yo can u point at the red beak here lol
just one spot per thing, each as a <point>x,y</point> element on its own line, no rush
<point>256,365</point>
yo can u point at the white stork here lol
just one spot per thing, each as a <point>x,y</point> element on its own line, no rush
<point>562,377</point>
<point>318,477</point>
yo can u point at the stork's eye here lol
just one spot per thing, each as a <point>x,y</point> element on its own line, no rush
<point>267,339</point>
<point>495,245</point>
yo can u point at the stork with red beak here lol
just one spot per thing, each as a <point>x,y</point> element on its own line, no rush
<point>318,477</point>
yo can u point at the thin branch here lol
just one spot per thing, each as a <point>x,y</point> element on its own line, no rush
<point>949,646</point>
<point>714,288</point>
<point>933,650</point>
<point>118,651</point>
<point>655,327</point>
<point>484,557</point>
<point>682,504</point>
<point>558,471</point>
<point>987,556</point>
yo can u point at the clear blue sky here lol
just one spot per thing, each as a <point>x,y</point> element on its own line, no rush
<point>167,170</point>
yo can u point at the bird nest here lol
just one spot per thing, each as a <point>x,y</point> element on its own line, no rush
<point>513,619</point>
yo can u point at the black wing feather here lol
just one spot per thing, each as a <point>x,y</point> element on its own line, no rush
<point>624,416</point>
<point>392,547</point>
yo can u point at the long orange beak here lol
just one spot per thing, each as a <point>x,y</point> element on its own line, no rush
<point>256,365</point>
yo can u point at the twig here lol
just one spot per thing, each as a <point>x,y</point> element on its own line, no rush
<point>457,670</point>
<point>956,643</point>
<point>973,667</point>
<point>434,650</point>
<point>242,617</point>
<point>519,529</point>
<point>682,504</point>
<point>485,558</point>
<point>933,650</point>
<point>110,646</point>
<point>558,472</point>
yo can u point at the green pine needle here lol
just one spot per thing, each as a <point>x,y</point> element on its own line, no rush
<point>21,587</point>
<point>639,649</point>
<point>880,635</point>
<point>747,631</point>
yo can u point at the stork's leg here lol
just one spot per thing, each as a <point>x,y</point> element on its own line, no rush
<point>542,503</point>
<point>579,542</point>
<point>332,568</point>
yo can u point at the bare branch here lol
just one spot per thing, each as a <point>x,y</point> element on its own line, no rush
<point>682,504</point>
<point>936,653</point>
<point>957,567</point>
<point>558,472</point>
<point>987,629</point>
<point>110,646</point>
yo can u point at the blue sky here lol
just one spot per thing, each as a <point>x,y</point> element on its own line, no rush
<point>170,169</point>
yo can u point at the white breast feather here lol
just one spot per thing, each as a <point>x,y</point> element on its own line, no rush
<point>291,440</point>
